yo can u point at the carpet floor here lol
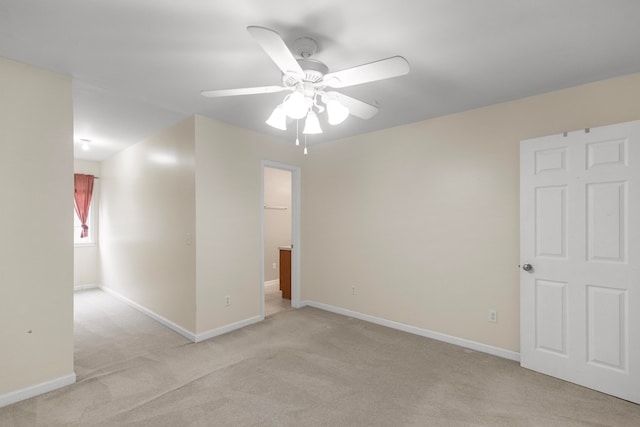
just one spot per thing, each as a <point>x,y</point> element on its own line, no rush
<point>304,367</point>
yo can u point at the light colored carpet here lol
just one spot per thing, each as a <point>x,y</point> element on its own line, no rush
<point>301,367</point>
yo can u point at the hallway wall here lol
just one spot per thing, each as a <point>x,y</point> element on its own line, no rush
<point>147,229</point>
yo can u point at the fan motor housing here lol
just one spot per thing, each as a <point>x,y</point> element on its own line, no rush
<point>314,71</point>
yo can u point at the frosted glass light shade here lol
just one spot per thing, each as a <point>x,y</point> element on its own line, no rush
<point>312,125</point>
<point>295,105</point>
<point>337,112</point>
<point>278,118</point>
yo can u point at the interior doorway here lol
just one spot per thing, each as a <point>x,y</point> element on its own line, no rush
<point>279,237</point>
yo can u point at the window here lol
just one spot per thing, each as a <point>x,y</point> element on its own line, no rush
<point>83,218</point>
<point>77,229</point>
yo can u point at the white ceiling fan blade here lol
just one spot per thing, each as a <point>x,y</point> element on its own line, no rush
<point>356,107</point>
<point>378,70</point>
<point>242,91</point>
<point>275,47</point>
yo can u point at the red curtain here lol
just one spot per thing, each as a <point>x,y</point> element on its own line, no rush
<point>83,189</point>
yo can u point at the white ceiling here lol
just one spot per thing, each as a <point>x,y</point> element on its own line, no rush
<point>139,65</point>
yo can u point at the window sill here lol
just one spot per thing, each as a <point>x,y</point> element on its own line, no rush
<point>84,245</point>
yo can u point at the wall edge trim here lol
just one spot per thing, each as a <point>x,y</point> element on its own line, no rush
<point>162,320</point>
<point>36,390</point>
<point>227,328</point>
<point>461,342</point>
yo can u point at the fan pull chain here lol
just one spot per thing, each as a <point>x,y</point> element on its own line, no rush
<point>297,133</point>
<point>305,144</point>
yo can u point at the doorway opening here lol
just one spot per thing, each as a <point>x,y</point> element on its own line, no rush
<point>280,237</point>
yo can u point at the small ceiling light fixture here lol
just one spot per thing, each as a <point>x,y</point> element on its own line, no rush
<point>296,105</point>
<point>312,125</point>
<point>85,144</point>
<point>301,104</point>
<point>278,118</point>
<point>337,112</point>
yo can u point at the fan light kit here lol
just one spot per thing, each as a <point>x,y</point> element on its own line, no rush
<point>307,81</point>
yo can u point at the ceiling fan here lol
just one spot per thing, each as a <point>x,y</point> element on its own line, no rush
<point>310,83</point>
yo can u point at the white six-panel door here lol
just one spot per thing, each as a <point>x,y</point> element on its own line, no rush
<point>580,236</point>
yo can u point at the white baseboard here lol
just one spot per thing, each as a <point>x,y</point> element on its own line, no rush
<point>77,288</point>
<point>162,320</point>
<point>227,328</point>
<point>179,329</point>
<point>473,345</point>
<point>36,390</point>
<point>272,283</point>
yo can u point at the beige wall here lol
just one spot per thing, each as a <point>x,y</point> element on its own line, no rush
<point>86,266</point>
<point>36,246</point>
<point>423,219</point>
<point>147,226</point>
<point>277,222</point>
<point>228,212</point>
<point>202,178</point>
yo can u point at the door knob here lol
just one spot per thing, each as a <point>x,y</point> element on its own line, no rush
<point>527,267</point>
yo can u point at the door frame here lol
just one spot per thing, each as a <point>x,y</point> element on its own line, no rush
<point>295,231</point>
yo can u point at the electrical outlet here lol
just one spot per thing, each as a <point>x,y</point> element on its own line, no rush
<point>227,301</point>
<point>353,290</point>
<point>492,316</point>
